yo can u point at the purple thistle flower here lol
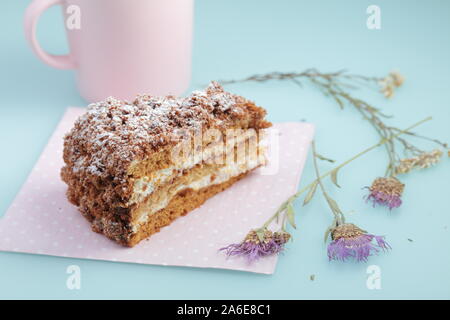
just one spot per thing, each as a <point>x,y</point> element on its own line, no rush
<point>386,192</point>
<point>349,241</point>
<point>254,247</point>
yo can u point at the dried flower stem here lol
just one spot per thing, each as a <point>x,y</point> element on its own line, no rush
<point>338,215</point>
<point>292,198</point>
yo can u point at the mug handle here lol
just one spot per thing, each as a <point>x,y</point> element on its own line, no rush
<point>32,14</point>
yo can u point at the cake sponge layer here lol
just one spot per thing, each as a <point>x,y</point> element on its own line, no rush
<point>183,202</point>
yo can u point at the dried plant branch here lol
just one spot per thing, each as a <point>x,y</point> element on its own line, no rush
<point>262,241</point>
<point>347,240</point>
<point>339,86</point>
<point>290,201</point>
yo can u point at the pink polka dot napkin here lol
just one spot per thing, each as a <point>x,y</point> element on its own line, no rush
<point>41,220</point>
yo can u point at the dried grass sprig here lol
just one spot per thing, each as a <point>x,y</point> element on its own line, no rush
<point>340,86</point>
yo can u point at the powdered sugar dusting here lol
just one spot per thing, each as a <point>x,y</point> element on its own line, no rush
<point>112,133</point>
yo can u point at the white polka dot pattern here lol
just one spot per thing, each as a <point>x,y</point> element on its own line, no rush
<point>41,220</point>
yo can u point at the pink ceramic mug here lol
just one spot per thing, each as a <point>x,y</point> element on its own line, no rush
<point>122,47</point>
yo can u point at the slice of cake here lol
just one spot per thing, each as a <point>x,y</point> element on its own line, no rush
<point>133,168</point>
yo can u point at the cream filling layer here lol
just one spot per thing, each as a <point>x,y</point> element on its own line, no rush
<point>145,186</point>
<point>222,175</point>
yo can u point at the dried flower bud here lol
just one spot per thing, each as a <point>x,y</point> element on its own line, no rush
<point>397,78</point>
<point>405,165</point>
<point>258,244</point>
<point>427,159</point>
<point>388,84</point>
<point>281,237</point>
<point>388,92</point>
<point>350,241</point>
<point>386,192</point>
<point>346,230</point>
<point>386,88</point>
<point>424,160</point>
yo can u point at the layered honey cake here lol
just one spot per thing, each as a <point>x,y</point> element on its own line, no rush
<point>134,167</point>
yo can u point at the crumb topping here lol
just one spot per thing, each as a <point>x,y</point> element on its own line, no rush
<point>113,133</point>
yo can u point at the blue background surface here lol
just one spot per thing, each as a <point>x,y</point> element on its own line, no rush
<point>234,39</point>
